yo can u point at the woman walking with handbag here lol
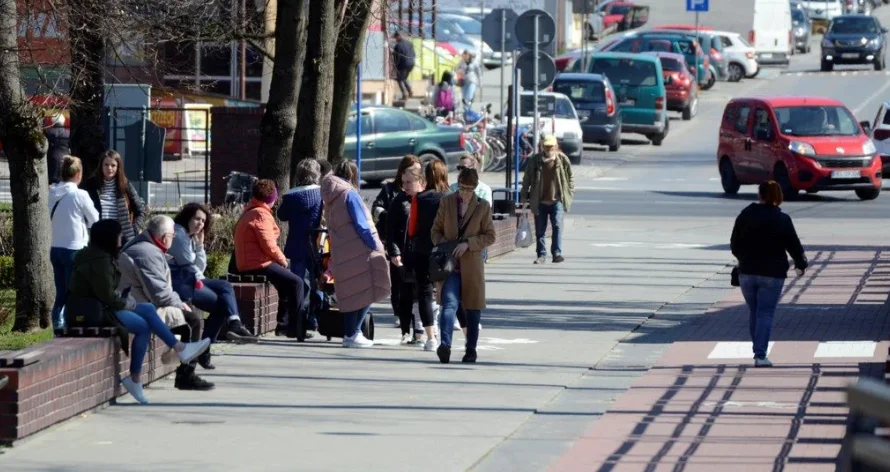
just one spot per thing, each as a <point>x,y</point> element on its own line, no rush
<point>423,211</point>
<point>761,237</point>
<point>464,226</point>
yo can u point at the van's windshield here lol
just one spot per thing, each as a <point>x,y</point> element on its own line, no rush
<point>816,121</point>
<point>626,71</point>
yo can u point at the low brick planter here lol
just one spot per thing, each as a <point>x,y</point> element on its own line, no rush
<point>59,379</point>
<point>257,303</point>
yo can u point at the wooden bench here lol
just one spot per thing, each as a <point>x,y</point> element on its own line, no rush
<point>53,381</point>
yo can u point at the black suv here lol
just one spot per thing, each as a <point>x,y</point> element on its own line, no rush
<point>854,39</point>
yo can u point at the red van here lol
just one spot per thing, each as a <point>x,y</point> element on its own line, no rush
<point>808,144</point>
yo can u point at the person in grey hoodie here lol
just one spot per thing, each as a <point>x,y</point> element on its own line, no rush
<point>471,74</point>
<point>71,215</point>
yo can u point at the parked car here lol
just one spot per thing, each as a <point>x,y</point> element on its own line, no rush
<point>567,60</point>
<point>679,43</point>
<point>740,56</point>
<point>854,39</point>
<point>594,101</point>
<point>860,6</point>
<point>824,10</point>
<point>639,90</point>
<point>718,65</point>
<point>803,143</point>
<point>389,134</point>
<point>682,93</point>
<point>802,27</point>
<point>771,33</point>
<point>560,119</point>
<point>472,29</point>
<point>879,132</point>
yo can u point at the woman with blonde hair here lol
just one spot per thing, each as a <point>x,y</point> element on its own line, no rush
<point>114,196</point>
<point>71,214</point>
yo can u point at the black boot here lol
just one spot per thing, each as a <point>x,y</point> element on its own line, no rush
<point>444,353</point>
<point>240,334</point>
<point>469,356</point>
<point>187,379</point>
<point>204,360</point>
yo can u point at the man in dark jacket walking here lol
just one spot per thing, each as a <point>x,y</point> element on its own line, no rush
<point>403,60</point>
<point>59,140</point>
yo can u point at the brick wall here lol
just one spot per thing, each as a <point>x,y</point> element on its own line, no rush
<point>257,305</point>
<point>236,141</point>
<point>505,237</point>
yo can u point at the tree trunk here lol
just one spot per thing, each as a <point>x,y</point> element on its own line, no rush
<point>280,118</point>
<point>314,107</point>
<point>87,83</point>
<point>25,146</point>
<point>350,48</point>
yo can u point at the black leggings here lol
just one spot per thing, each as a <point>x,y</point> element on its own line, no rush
<point>423,288</point>
<point>290,296</point>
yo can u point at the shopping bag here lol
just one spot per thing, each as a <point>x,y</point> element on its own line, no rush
<point>524,237</point>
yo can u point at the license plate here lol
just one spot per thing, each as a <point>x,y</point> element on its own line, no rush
<point>767,55</point>
<point>845,174</point>
<point>850,55</point>
<point>628,103</point>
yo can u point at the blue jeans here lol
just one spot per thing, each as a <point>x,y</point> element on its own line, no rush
<point>141,322</point>
<point>352,321</point>
<point>553,212</point>
<point>450,303</point>
<point>218,299</point>
<point>762,296</point>
<point>62,261</point>
<point>468,93</point>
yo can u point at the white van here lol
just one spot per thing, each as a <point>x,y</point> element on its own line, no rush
<point>771,33</point>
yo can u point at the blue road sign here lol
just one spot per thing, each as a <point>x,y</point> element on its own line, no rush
<point>697,5</point>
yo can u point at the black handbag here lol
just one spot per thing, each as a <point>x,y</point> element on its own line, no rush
<point>441,263</point>
<point>734,277</point>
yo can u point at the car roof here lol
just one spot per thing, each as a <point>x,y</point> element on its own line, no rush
<point>670,55</point>
<point>623,55</point>
<point>792,101</point>
<point>545,94</point>
<point>581,76</point>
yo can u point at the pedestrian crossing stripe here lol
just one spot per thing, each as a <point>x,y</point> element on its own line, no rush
<point>735,350</point>
<point>827,349</point>
<point>839,73</point>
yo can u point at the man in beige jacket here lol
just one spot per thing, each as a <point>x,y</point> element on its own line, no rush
<point>548,187</point>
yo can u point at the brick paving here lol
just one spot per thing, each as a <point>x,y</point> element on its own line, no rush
<point>703,407</point>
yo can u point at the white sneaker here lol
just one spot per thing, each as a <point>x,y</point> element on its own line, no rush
<point>193,350</point>
<point>406,338</point>
<point>430,345</point>
<point>134,389</point>
<point>358,341</point>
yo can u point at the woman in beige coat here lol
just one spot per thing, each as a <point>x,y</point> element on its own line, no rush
<point>465,218</point>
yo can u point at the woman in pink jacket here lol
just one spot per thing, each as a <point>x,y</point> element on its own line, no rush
<point>358,263</point>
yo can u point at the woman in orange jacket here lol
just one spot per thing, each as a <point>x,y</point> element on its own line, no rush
<point>257,253</point>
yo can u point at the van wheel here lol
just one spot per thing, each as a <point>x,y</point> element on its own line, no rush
<point>784,181</point>
<point>657,139</point>
<point>736,72</point>
<point>868,193</point>
<point>616,145</point>
<point>690,110</point>
<point>728,179</point>
<point>710,83</point>
<point>827,66</point>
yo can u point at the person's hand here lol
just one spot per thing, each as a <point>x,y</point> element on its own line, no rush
<point>461,249</point>
<point>397,261</point>
<point>186,308</point>
<point>199,238</point>
<point>800,272</point>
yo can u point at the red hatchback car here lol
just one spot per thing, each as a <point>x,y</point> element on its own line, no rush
<point>808,144</point>
<point>682,94</point>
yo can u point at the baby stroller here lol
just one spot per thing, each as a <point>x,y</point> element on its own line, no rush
<point>323,303</point>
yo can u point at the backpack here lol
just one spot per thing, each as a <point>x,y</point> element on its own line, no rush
<point>445,98</point>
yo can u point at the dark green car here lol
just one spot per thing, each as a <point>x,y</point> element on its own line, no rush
<point>389,134</point>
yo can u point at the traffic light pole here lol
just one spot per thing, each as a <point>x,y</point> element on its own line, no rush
<point>537,79</point>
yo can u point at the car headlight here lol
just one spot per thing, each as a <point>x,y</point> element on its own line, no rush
<point>826,43</point>
<point>869,148</point>
<point>801,148</point>
<point>799,31</point>
<point>874,43</point>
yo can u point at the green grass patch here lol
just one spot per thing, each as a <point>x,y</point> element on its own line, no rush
<point>10,341</point>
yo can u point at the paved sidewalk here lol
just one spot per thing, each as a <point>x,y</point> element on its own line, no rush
<point>703,407</point>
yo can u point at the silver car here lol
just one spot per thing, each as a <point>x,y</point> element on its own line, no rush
<point>472,29</point>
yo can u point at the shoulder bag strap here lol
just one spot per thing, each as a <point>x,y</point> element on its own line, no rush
<point>53,212</point>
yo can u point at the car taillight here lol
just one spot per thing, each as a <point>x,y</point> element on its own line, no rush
<point>463,141</point>
<point>881,134</point>
<point>749,54</point>
<point>610,103</point>
<point>659,103</point>
<point>751,36</point>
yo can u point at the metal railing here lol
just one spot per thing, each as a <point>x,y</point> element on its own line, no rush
<point>863,449</point>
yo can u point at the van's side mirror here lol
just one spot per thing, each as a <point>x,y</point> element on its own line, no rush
<point>763,134</point>
<point>885,30</point>
<point>865,125</point>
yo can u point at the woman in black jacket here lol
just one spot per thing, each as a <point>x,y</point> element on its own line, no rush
<point>424,208</point>
<point>380,211</point>
<point>762,236</point>
<point>397,245</point>
<point>114,196</point>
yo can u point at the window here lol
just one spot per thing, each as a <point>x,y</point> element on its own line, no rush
<point>741,124</point>
<point>417,123</point>
<point>672,65</point>
<point>686,47</point>
<point>727,43</point>
<point>582,92</point>
<point>216,60</point>
<point>366,124</point>
<point>762,123</point>
<point>630,72</point>
<point>825,120</point>
<point>548,105</point>
<point>391,121</point>
<point>886,116</point>
<point>853,25</point>
<point>729,116</point>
